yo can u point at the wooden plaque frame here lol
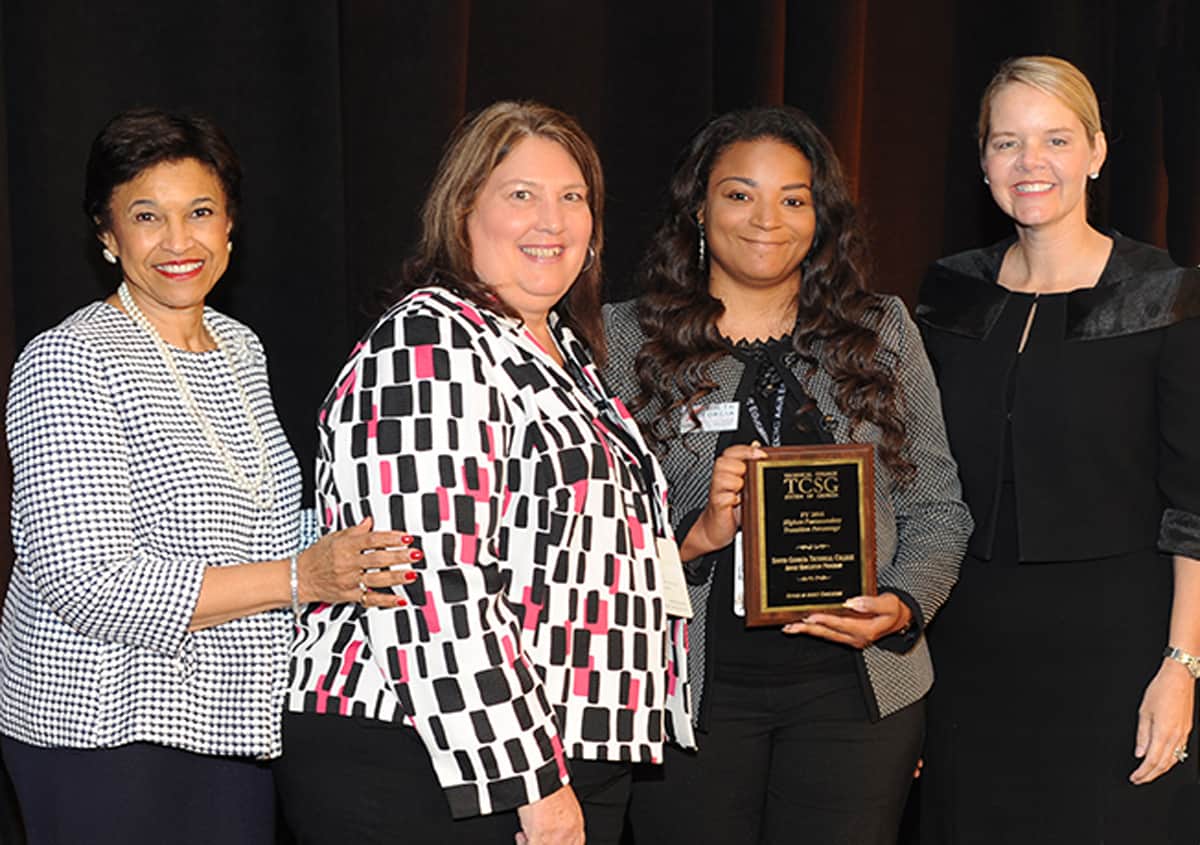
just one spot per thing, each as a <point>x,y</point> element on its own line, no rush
<point>805,475</point>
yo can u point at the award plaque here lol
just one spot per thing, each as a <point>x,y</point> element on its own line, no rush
<point>808,524</point>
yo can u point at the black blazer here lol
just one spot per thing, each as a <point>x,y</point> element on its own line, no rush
<point>1106,408</point>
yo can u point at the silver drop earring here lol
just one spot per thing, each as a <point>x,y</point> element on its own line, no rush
<point>108,256</point>
<point>700,248</point>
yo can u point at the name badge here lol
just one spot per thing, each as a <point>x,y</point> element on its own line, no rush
<point>674,585</point>
<point>719,416</point>
<point>739,577</point>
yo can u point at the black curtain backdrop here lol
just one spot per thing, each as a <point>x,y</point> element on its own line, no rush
<point>340,110</point>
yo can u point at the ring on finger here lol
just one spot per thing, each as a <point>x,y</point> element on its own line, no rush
<point>362,589</point>
<point>1181,753</point>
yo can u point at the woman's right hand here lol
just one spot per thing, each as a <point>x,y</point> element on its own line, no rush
<point>722,517</point>
<point>554,820</point>
<point>337,567</point>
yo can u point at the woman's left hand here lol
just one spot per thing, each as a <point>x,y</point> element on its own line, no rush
<point>350,565</point>
<point>873,617</point>
<point>1164,721</point>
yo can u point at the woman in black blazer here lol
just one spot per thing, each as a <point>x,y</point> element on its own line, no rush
<point>1067,360</point>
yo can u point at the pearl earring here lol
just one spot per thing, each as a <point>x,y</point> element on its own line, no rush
<point>986,181</point>
<point>229,245</point>
<point>108,256</point>
<point>1094,175</point>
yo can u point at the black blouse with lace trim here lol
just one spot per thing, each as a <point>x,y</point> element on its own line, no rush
<point>765,656</point>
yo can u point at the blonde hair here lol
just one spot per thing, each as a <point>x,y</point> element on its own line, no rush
<point>1050,75</point>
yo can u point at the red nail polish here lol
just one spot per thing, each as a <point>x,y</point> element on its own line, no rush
<point>401,602</point>
<point>406,539</point>
<point>409,577</point>
<point>416,554</point>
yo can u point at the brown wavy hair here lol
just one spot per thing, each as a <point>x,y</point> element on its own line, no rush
<point>477,146</point>
<point>835,313</point>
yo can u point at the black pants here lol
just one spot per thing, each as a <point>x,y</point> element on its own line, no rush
<point>139,793</point>
<point>780,765</point>
<point>344,779</point>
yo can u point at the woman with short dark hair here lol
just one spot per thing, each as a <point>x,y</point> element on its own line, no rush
<point>143,649</point>
<point>139,139</point>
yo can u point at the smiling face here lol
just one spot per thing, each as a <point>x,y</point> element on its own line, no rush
<point>170,230</point>
<point>758,215</point>
<point>1037,157</point>
<point>530,227</point>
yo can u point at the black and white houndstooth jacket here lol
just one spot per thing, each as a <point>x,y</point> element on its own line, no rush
<point>119,505</point>
<point>536,630</point>
<point>921,529</point>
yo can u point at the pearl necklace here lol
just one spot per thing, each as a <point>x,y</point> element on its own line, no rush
<point>258,488</point>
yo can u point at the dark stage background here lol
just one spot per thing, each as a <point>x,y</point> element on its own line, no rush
<point>339,111</point>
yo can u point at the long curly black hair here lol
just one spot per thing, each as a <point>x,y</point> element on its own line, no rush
<point>835,313</point>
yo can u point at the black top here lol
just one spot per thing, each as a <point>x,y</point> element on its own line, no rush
<point>1105,409</point>
<point>785,415</point>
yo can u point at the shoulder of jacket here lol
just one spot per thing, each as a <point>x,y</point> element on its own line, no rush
<point>423,316</point>
<point>889,317</point>
<point>237,331</point>
<point>980,262</point>
<point>891,309</point>
<point>86,332</point>
<point>623,334</point>
<point>621,318</point>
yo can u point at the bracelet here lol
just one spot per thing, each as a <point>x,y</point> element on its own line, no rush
<point>294,579</point>
<point>1189,660</point>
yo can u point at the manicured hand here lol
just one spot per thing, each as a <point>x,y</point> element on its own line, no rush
<point>338,566</point>
<point>870,618</point>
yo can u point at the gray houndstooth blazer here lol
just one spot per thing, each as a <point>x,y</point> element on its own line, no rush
<point>921,529</point>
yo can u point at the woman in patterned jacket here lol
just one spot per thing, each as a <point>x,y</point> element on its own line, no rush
<point>510,689</point>
<point>757,317</point>
<point>143,650</point>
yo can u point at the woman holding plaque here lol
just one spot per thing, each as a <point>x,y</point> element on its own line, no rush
<point>756,327</point>
<point>1067,357</point>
